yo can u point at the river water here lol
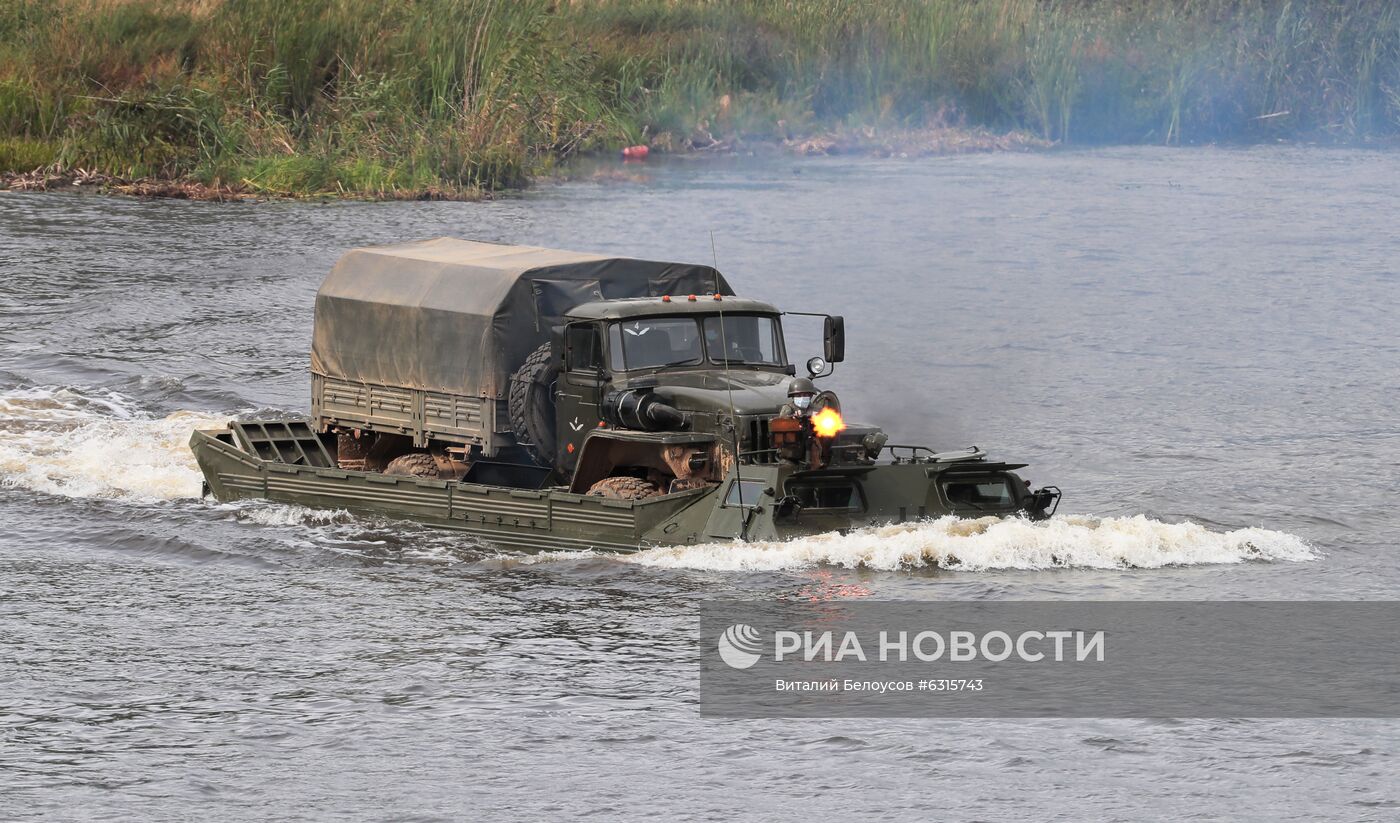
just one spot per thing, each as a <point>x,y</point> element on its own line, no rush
<point>1198,345</point>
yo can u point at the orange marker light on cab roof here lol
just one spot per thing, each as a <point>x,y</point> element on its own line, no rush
<point>691,298</point>
<point>719,296</point>
<point>665,298</point>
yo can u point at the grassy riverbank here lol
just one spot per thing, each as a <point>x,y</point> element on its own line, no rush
<point>444,97</point>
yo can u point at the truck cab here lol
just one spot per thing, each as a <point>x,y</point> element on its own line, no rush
<point>659,395</point>
<point>703,356</point>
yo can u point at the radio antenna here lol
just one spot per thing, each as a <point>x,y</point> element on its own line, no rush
<point>733,415</point>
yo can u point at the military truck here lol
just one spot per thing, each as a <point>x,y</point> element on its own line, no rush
<point>539,398</point>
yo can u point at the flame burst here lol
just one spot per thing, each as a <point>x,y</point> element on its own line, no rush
<point>828,422</point>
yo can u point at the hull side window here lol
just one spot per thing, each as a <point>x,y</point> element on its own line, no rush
<point>842,497</point>
<point>981,492</point>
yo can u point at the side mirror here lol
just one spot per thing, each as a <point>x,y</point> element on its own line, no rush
<point>834,339</point>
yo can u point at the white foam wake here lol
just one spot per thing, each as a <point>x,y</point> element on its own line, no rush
<point>80,443</point>
<point>988,543</point>
<point>264,513</point>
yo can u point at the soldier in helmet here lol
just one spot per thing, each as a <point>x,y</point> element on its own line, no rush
<point>800,394</point>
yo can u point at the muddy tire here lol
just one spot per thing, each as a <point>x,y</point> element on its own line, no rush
<point>624,488</point>
<point>417,464</point>
<point>531,405</point>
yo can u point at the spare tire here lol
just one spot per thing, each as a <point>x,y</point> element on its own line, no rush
<point>531,405</point>
<point>413,464</point>
<point>624,488</point>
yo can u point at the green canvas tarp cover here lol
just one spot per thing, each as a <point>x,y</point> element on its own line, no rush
<point>459,316</point>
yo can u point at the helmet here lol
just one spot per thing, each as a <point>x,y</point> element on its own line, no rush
<point>801,391</point>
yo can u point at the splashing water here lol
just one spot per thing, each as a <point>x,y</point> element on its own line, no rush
<point>989,543</point>
<point>263,513</point>
<point>83,443</point>
<point>79,443</point>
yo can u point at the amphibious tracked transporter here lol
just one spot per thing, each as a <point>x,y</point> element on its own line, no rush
<point>549,399</point>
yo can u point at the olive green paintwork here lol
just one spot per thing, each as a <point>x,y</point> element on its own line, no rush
<point>554,518</point>
<point>716,399</point>
<point>631,307</point>
<point>724,408</point>
<point>421,339</point>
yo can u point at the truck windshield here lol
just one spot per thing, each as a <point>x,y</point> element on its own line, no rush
<point>744,338</point>
<point>652,342</point>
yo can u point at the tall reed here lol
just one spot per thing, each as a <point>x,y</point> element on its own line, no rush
<point>439,95</point>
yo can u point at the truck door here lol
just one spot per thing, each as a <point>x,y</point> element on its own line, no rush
<point>580,390</point>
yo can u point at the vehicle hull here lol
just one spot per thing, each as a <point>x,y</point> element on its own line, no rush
<point>555,519</point>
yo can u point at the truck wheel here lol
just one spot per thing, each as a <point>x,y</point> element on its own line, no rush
<point>531,405</point>
<point>417,464</point>
<point>624,488</point>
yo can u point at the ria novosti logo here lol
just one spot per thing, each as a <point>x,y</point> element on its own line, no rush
<point>739,646</point>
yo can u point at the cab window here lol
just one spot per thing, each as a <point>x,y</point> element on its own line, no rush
<point>653,342</point>
<point>585,351</point>
<point>744,338</point>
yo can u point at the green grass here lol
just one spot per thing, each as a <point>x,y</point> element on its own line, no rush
<point>24,153</point>
<point>344,96</point>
